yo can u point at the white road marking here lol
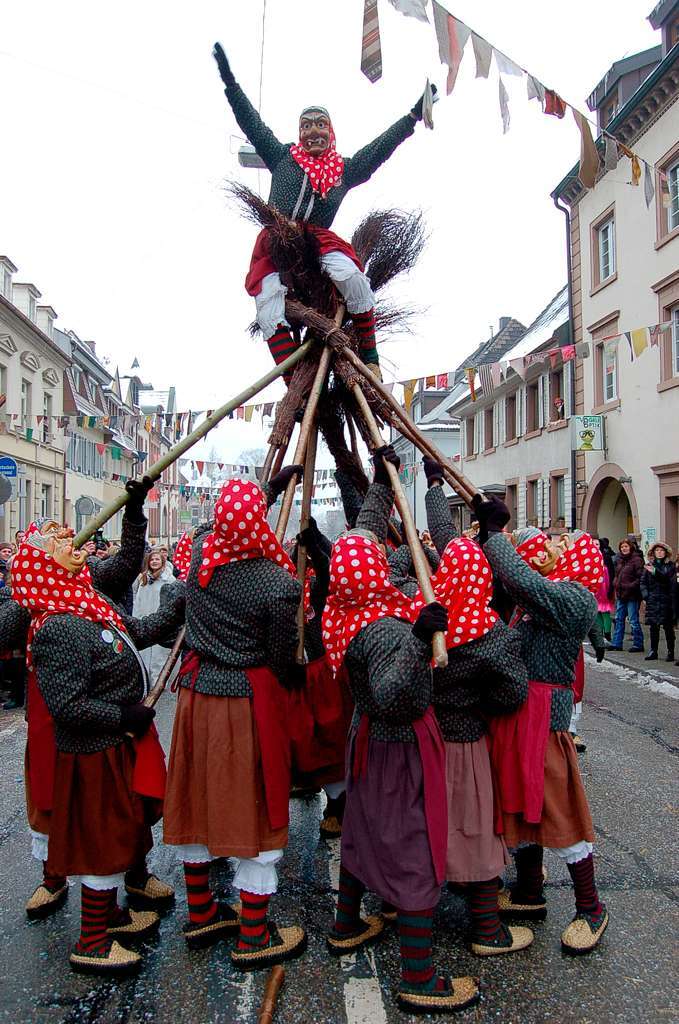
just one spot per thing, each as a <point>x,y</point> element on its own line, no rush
<point>246,1000</point>
<point>657,682</point>
<point>363,996</point>
<point>334,863</point>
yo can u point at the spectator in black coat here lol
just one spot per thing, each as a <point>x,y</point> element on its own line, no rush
<point>629,568</point>
<point>659,591</point>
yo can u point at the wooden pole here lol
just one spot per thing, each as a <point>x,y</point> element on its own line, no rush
<point>419,559</point>
<point>158,468</point>
<point>297,311</point>
<point>307,421</point>
<point>307,493</point>
<point>156,691</point>
<point>274,984</point>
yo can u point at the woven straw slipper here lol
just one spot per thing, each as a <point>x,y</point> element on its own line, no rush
<point>580,936</point>
<point>43,902</point>
<point>117,961</point>
<point>520,937</point>
<point>463,992</point>
<point>227,923</point>
<point>371,930</point>
<point>286,944</point>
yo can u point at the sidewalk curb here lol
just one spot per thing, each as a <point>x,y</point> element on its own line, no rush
<point>654,675</point>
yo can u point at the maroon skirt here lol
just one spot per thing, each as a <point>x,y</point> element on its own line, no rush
<point>261,263</point>
<point>98,825</point>
<point>320,716</point>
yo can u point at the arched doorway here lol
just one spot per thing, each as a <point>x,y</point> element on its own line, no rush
<point>610,508</point>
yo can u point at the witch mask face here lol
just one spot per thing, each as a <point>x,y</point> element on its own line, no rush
<point>314,132</point>
<point>61,549</point>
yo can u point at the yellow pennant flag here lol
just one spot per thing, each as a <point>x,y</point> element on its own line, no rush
<point>249,409</point>
<point>408,392</point>
<point>640,340</point>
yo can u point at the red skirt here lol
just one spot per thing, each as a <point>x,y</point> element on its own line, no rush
<point>261,263</point>
<point>320,716</point>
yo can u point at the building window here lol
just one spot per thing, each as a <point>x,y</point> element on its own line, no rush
<point>31,307</point>
<point>675,341</point>
<point>667,196</point>
<point>488,437</point>
<point>603,249</point>
<point>510,417</point>
<point>511,501</point>
<point>46,501</point>
<point>531,503</point>
<point>6,281</point>
<point>609,110</point>
<point>556,395</point>
<point>606,247</point>
<point>26,403</point>
<point>558,500</point>
<point>47,413</point>
<point>673,197</point>
<point>606,373</point>
<point>469,435</point>
<point>76,377</point>
<point>25,508</point>
<point>532,407</point>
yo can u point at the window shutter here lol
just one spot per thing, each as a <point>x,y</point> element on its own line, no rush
<point>463,437</point>
<point>502,421</point>
<point>541,400</point>
<point>520,409</point>
<point>567,500</point>
<point>546,518</point>
<point>567,386</point>
<point>480,440</point>
<point>521,505</point>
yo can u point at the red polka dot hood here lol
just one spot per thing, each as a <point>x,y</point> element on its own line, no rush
<point>463,584</point>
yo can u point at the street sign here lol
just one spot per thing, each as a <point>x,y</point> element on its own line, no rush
<point>588,434</point>
<point>8,479</point>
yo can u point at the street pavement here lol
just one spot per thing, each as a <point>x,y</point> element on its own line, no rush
<point>631,726</point>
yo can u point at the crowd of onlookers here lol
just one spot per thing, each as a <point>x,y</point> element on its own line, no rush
<point>143,598</point>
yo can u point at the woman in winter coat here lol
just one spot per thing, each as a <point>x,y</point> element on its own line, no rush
<point>154,575</point>
<point>658,589</point>
<point>628,572</point>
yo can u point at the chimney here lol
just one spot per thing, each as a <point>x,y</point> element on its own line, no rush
<point>24,297</point>
<point>92,346</point>
<point>504,321</point>
<point>45,319</point>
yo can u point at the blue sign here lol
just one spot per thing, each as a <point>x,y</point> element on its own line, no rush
<point>8,467</point>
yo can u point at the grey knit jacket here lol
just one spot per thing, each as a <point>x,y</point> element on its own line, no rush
<point>555,619</point>
<point>86,679</point>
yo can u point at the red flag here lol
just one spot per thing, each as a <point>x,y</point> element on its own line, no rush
<point>554,104</point>
<point>200,466</point>
<point>442,380</point>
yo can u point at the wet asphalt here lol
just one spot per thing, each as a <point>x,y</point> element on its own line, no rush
<point>631,727</point>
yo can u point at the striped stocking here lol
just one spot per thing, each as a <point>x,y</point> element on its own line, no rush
<point>94,919</point>
<point>202,905</point>
<point>349,896</point>
<point>281,345</point>
<point>417,966</point>
<point>254,930</point>
<point>365,329</point>
<point>484,911</point>
<point>586,895</point>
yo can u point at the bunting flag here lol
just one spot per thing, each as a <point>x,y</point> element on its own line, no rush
<point>649,186</point>
<point>665,196</point>
<point>505,65</point>
<point>371,46</point>
<point>471,374</point>
<point>553,104</point>
<point>116,453</point>
<point>408,392</point>
<point>483,54</point>
<point>442,380</point>
<point>411,8</point>
<point>640,340</point>
<point>536,90</point>
<point>589,154</point>
<point>504,107</point>
<point>518,367</point>
<point>486,379</point>
<point>610,154</point>
<point>452,36</point>
<point>568,353</point>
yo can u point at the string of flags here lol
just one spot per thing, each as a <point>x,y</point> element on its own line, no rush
<point>453,36</point>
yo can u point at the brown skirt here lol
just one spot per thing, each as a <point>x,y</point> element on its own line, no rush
<point>215,786</point>
<point>475,853</point>
<point>566,818</point>
<point>38,820</point>
<point>98,825</point>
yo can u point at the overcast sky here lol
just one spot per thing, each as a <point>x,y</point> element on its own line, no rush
<point>117,139</point>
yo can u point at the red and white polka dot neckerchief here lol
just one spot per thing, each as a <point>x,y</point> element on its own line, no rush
<point>241,532</point>
<point>360,593</point>
<point>324,171</point>
<point>463,584</point>
<point>45,588</point>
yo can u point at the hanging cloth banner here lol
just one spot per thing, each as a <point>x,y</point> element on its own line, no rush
<point>504,107</point>
<point>486,379</point>
<point>610,154</point>
<point>371,46</point>
<point>471,373</point>
<point>554,105</point>
<point>483,53</point>
<point>649,187</point>
<point>589,155</point>
<point>519,367</point>
<point>505,65</point>
<point>411,8</point>
<point>536,90</point>
<point>452,36</point>
<point>408,392</point>
<point>639,340</point>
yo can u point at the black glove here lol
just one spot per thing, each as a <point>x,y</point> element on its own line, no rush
<point>417,109</point>
<point>137,490</point>
<point>432,470</point>
<point>492,514</point>
<point>432,619</point>
<point>222,63</point>
<point>280,481</point>
<point>313,540</point>
<point>600,653</point>
<point>378,456</point>
<point>136,718</point>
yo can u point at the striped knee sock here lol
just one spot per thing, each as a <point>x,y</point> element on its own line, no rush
<point>349,896</point>
<point>417,966</point>
<point>484,911</point>
<point>281,345</point>
<point>254,930</point>
<point>586,895</point>
<point>529,877</point>
<point>202,905</point>
<point>365,329</point>
<point>94,919</point>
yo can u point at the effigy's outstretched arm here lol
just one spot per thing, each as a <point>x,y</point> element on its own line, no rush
<point>249,121</point>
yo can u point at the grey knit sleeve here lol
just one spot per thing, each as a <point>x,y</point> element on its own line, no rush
<point>399,672</point>
<point>439,519</point>
<point>282,635</point>
<point>376,509</point>
<point>160,627</point>
<point>504,687</point>
<point>14,623</point>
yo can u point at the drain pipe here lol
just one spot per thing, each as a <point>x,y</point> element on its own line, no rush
<point>566,212</point>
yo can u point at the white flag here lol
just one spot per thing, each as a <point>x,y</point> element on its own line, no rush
<point>504,107</point>
<point>505,65</point>
<point>649,186</point>
<point>536,90</point>
<point>610,154</point>
<point>411,8</point>
<point>483,52</point>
